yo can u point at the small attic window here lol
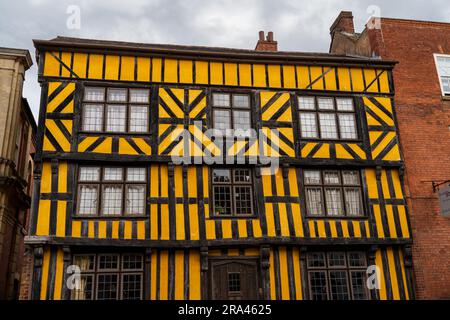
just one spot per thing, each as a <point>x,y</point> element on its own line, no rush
<point>443,69</point>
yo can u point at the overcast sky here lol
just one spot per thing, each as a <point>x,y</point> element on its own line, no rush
<point>297,24</point>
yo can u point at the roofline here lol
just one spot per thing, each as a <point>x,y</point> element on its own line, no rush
<point>196,52</point>
<point>23,54</point>
<point>446,24</point>
<point>29,114</point>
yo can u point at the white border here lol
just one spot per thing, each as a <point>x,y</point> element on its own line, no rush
<point>436,55</point>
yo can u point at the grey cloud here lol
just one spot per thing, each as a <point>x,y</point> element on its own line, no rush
<point>298,25</point>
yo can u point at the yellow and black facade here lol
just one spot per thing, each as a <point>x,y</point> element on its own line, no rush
<point>179,247</point>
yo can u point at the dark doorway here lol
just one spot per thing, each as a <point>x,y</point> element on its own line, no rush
<point>234,279</point>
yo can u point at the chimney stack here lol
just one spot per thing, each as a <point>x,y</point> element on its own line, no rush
<point>344,22</point>
<point>266,44</point>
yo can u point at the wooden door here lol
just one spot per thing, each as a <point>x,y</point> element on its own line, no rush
<point>234,280</point>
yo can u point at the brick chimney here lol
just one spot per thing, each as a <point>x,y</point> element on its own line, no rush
<point>266,44</point>
<point>344,22</point>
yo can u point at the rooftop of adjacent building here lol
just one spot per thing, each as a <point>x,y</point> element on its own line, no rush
<point>18,53</point>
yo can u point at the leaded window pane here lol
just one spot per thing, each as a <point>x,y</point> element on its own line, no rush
<point>328,128</point>
<point>113,174</point>
<point>338,285</point>
<point>222,119</point>
<point>316,260</point>
<point>131,286</point>
<point>312,177</point>
<point>241,120</point>
<point>117,95</point>
<point>241,101</point>
<point>325,103</point>
<point>222,175</point>
<point>115,118</point>
<point>136,174</point>
<point>331,177</point>
<point>138,119</point>
<point>85,262</point>
<point>306,103</point>
<point>242,175</point>
<point>85,290</point>
<point>135,203</point>
<point>221,100</point>
<point>234,282</point>
<point>358,283</point>
<point>318,285</point>
<point>92,117</point>
<point>112,200</point>
<point>108,262</point>
<point>350,178</point>
<point>356,259</point>
<point>347,126</point>
<point>344,104</point>
<point>94,94</point>
<point>222,200</point>
<point>243,199</point>
<point>308,125</point>
<point>314,201</point>
<point>107,286</point>
<point>353,201</point>
<point>132,262</point>
<point>89,174</point>
<point>336,259</point>
<point>139,95</point>
<point>333,200</point>
<point>88,200</point>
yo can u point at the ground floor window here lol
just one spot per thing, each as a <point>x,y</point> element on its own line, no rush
<point>337,275</point>
<point>109,277</point>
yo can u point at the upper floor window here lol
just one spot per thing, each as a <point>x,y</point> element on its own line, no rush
<point>443,68</point>
<point>337,275</point>
<point>115,110</point>
<point>231,111</point>
<point>111,191</point>
<point>327,118</point>
<point>232,192</point>
<point>109,277</point>
<point>333,193</point>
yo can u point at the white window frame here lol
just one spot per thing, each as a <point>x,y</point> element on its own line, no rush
<point>436,56</point>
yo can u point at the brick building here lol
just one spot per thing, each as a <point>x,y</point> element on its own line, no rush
<point>422,99</point>
<point>17,133</point>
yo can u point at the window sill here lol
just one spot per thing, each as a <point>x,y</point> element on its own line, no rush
<point>445,98</point>
<point>253,217</point>
<point>337,218</point>
<point>78,217</point>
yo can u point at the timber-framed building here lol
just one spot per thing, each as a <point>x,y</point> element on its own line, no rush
<point>110,199</point>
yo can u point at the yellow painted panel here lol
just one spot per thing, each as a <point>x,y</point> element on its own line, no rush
<point>245,75</point>
<point>403,221</point>
<point>379,264</point>
<point>330,79</point>
<point>46,178</point>
<point>259,75</point>
<point>95,66</point>
<point>358,150</point>
<point>102,229</point>
<point>378,221</point>
<point>284,273</point>
<point>242,228</point>
<point>384,185</point>
<point>59,274</point>
<point>127,67</point>
<point>127,230</point>
<point>257,233</point>
<point>165,218</point>
<point>316,74</point>
<point>393,274</point>
<point>393,154</point>
<point>231,75</point>
<point>143,69</point>
<point>115,230</point>
<point>341,153</point>
<point>201,72</point>
<point>370,75</point>
<point>297,274</point>
<point>61,213</point>
<point>171,70</point>
<point>307,149</point>
<point>45,268</point>
<point>179,212</point>
<point>344,79</point>
<point>193,221</point>
<point>163,275</point>
<point>384,81</point>
<point>210,229</point>
<point>179,275</point>
<point>226,229</point>
<point>43,221</point>
<point>345,232</point>
<point>297,219</point>
<point>321,229</point>
<point>289,77</point>
<point>154,221</point>
<point>185,71</point>
<point>112,67</point>
<point>357,79</point>
<point>333,229</point>
<point>154,260</point>
<point>164,181</point>
<point>156,69</point>
<point>216,71</point>
<point>312,229</point>
<point>91,229</point>
<point>62,177</point>
<point>270,220</point>
<point>251,252</point>
<point>59,136</point>
<point>56,101</point>
<point>141,230</point>
<point>391,221</point>
<point>371,181</point>
<point>323,152</point>
<point>284,224</point>
<point>142,144</point>
<point>194,275</point>
<point>402,267</point>
<point>80,64</point>
<point>366,225</point>
<point>126,148</point>
<point>76,229</point>
<point>274,75</point>
<point>356,229</point>
<point>302,77</point>
<point>233,252</point>
<point>376,152</point>
<point>66,58</point>
<point>51,66</point>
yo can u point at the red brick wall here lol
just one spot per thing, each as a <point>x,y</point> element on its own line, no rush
<point>424,124</point>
